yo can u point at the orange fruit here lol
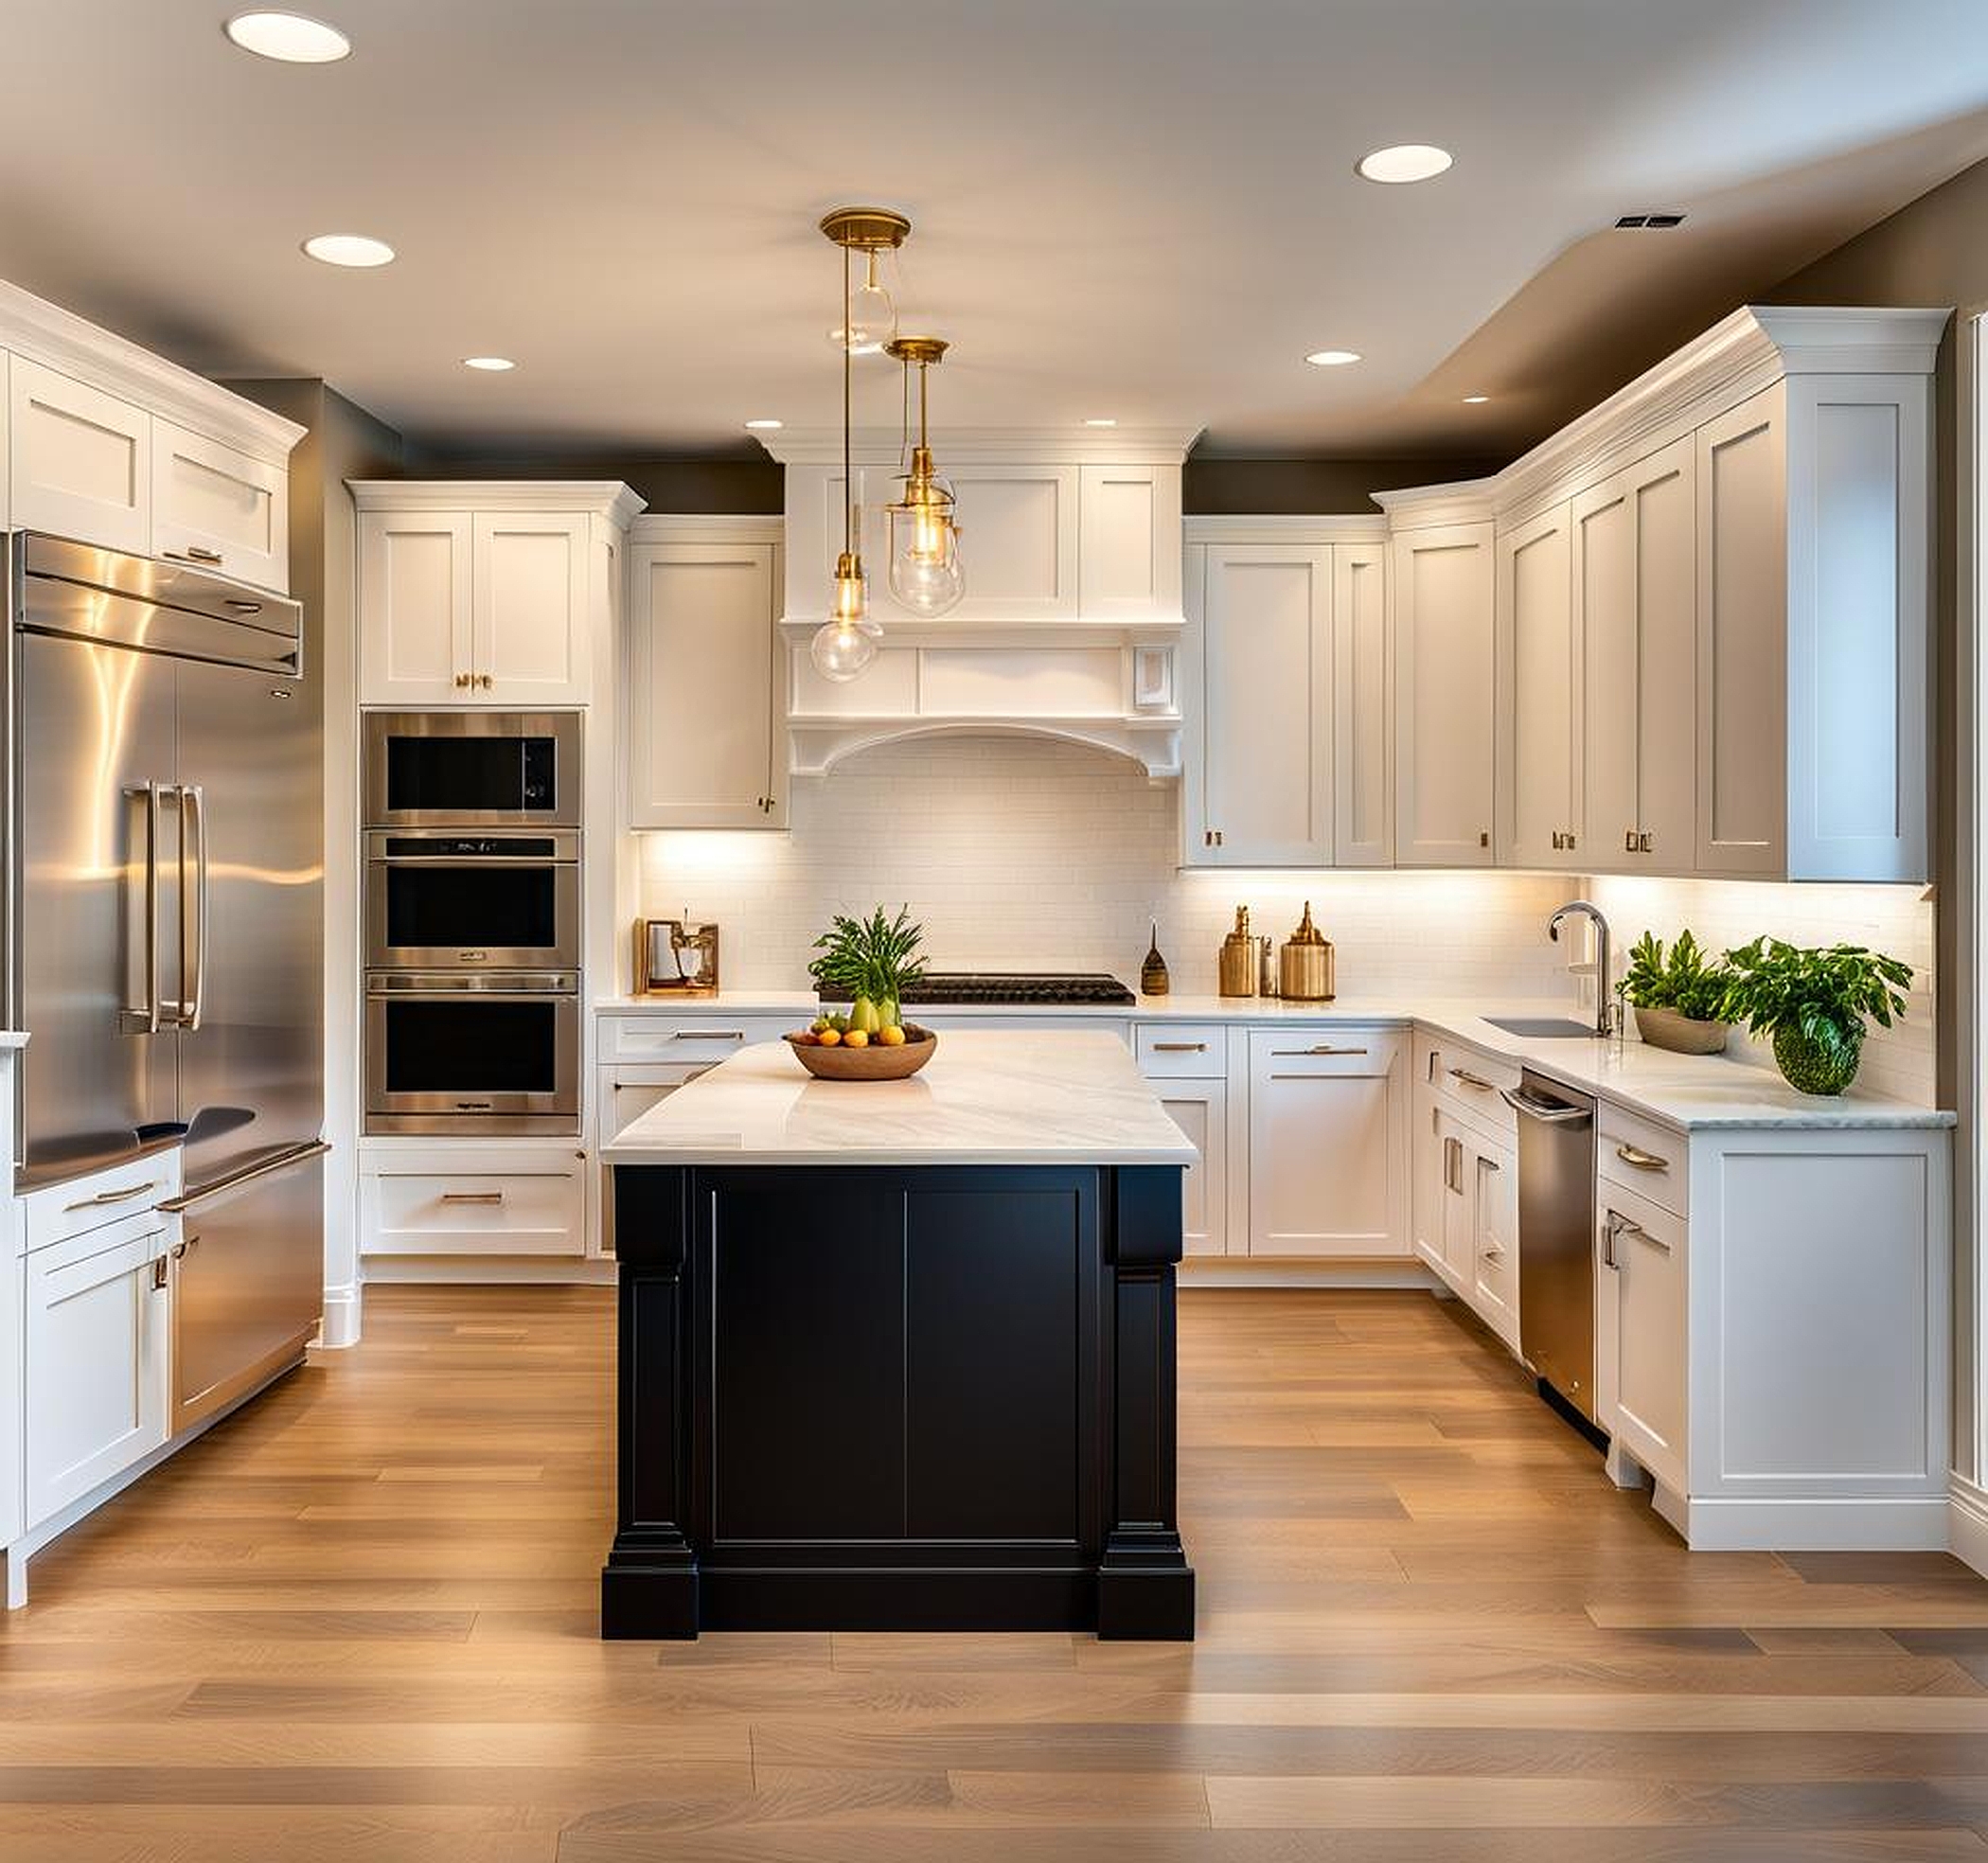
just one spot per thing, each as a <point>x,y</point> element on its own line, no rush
<point>892,1036</point>
<point>857,1039</point>
<point>830,1037</point>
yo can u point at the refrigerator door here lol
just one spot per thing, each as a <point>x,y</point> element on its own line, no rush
<point>248,1281</point>
<point>93,901</point>
<point>251,1038</point>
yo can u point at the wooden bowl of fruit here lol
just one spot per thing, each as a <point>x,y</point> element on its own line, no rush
<point>895,1052</point>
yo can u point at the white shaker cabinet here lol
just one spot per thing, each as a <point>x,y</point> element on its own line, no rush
<point>1642,1343</point>
<point>80,460</point>
<point>1329,1145</point>
<point>1200,1109</point>
<point>1441,587</point>
<point>705,692</point>
<point>218,509</point>
<point>530,613</point>
<point>1128,539</point>
<point>1540,810</point>
<point>415,608</point>
<point>1634,598</point>
<point>1266,663</point>
<point>1363,708</point>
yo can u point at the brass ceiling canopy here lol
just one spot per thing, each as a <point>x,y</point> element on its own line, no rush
<point>920,349</point>
<point>866,229</point>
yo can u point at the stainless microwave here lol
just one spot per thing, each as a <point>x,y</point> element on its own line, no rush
<point>467,769</point>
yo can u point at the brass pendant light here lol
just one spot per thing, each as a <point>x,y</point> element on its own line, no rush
<point>846,642</point>
<point>926,576</point>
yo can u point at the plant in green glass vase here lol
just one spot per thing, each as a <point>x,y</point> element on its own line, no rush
<point>1679,998</point>
<point>1814,1004</point>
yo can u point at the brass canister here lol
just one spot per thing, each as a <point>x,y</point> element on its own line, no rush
<point>1236,968</point>
<point>1304,964</point>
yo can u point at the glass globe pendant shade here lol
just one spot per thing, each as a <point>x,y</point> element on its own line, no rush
<point>846,642</point>
<point>926,576</point>
<point>870,320</point>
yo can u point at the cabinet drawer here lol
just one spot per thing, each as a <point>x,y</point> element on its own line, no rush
<point>470,1213</point>
<point>1469,1080</point>
<point>1193,1050</point>
<point>1326,1051</point>
<point>1642,1156</point>
<point>82,1204</point>
<point>218,508</point>
<point>690,1041</point>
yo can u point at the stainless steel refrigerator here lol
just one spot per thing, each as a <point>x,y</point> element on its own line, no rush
<point>164,925</point>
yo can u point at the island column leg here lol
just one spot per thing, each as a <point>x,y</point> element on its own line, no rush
<point>649,1585</point>
<point>1144,1584</point>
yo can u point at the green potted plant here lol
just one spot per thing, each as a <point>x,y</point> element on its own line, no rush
<point>869,963</point>
<point>1679,996</point>
<point>1814,1004</point>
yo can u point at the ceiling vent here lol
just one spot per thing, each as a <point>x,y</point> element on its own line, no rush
<point>1653,222</point>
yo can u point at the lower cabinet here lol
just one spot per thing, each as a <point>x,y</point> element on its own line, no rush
<point>96,1349</point>
<point>515,1198</point>
<point>1328,1156</point>
<point>1494,1238</point>
<point>1200,1109</point>
<point>1641,1338</point>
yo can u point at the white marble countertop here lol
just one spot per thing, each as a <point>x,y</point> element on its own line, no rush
<point>1686,1092</point>
<point>985,1097</point>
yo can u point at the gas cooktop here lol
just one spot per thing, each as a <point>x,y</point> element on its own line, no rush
<point>941,986</point>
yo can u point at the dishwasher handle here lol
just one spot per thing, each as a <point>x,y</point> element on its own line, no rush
<point>1549,1112</point>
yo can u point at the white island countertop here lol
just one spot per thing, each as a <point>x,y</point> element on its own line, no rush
<point>992,1098</point>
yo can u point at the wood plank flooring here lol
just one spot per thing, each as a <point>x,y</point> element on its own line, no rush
<point>356,1621</point>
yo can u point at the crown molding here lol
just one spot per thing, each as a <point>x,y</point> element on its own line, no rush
<point>988,446</point>
<point>605,498</point>
<point>1338,527</point>
<point>715,527</point>
<point>72,345</point>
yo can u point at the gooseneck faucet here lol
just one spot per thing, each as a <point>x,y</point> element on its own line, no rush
<point>1604,1019</point>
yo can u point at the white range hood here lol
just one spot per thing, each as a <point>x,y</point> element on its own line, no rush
<point>1072,621</point>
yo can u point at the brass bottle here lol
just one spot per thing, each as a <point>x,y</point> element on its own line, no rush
<point>1236,968</point>
<point>1153,979</point>
<point>1304,965</point>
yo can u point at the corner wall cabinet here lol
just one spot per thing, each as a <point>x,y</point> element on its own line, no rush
<point>1441,588</point>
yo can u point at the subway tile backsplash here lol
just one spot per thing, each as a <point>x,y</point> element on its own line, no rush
<point>1029,854</point>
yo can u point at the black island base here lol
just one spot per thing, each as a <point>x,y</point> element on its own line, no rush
<point>931,1397</point>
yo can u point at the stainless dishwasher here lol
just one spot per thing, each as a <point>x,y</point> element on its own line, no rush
<point>1557,1237</point>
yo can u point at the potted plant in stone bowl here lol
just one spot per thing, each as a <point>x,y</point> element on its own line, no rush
<point>1814,1004</point>
<point>1679,996</point>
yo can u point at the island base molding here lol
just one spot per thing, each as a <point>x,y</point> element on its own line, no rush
<point>931,1397</point>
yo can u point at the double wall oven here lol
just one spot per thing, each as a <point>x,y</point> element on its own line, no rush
<point>472,904</point>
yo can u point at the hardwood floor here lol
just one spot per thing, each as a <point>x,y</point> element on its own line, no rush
<point>357,1622</point>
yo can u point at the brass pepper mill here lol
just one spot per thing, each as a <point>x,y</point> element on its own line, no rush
<point>1266,969</point>
<point>1304,964</point>
<point>1236,968</point>
<point>1153,979</point>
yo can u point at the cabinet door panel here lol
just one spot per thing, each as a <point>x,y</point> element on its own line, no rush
<point>528,630</point>
<point>1605,611</point>
<point>1646,1247</point>
<point>1742,660</point>
<point>1363,708</point>
<point>1328,1148</point>
<point>1199,1109</point>
<point>211,505</point>
<point>1540,711</point>
<point>414,608</point>
<point>80,460</point>
<point>1665,520</point>
<point>1266,732</point>
<point>1495,1240</point>
<point>702,692</point>
<point>1441,588</point>
<point>1129,556</point>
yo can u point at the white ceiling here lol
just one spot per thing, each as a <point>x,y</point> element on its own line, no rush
<point>1138,208</point>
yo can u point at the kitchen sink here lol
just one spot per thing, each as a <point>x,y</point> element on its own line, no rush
<point>1563,1026</point>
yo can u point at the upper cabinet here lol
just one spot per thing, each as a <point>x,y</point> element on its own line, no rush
<point>110,445</point>
<point>705,692</point>
<point>1539,724</point>
<point>475,592</point>
<point>1442,588</point>
<point>1363,708</point>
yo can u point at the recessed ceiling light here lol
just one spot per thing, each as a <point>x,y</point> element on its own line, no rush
<point>1474,401</point>
<point>349,249</point>
<point>765,426</point>
<point>491,365</point>
<point>1406,161</point>
<point>292,38</point>
<point>1101,422</point>
<point>1329,359</point>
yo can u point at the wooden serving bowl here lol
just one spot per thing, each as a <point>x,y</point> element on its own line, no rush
<point>875,1062</point>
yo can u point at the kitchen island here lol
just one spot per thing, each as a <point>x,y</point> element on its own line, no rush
<point>900,1355</point>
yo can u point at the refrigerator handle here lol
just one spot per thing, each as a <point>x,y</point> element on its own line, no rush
<point>148,1019</point>
<point>193,902</point>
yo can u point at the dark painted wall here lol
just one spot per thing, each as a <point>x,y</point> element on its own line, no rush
<point>732,486</point>
<point>1255,487</point>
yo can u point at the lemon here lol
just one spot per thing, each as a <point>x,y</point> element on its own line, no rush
<point>892,1036</point>
<point>857,1039</point>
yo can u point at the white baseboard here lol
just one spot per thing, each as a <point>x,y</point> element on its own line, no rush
<point>1967,1522</point>
<point>1225,1271</point>
<point>1916,1524</point>
<point>486,1272</point>
<point>342,1317</point>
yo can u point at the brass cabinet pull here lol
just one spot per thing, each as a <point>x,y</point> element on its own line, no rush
<point>1483,836</point>
<point>1471,1080</point>
<point>707,1035</point>
<point>1629,841</point>
<point>472,1196</point>
<point>159,1273</point>
<point>463,679</point>
<point>124,1196</point>
<point>1324,1048</point>
<point>1179,1047</point>
<point>1642,1159</point>
<point>1492,1252</point>
<point>1453,1165</point>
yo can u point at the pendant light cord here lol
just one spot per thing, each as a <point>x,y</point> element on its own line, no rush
<point>848,471</point>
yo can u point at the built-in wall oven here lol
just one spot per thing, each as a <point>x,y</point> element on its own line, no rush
<point>472,899</point>
<point>469,770</point>
<point>472,1053</point>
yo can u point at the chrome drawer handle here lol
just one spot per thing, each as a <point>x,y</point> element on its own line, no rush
<point>707,1035</point>
<point>1324,1047</point>
<point>472,1196</point>
<point>1179,1047</point>
<point>1641,1160</point>
<point>1471,1080</point>
<point>111,1197</point>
